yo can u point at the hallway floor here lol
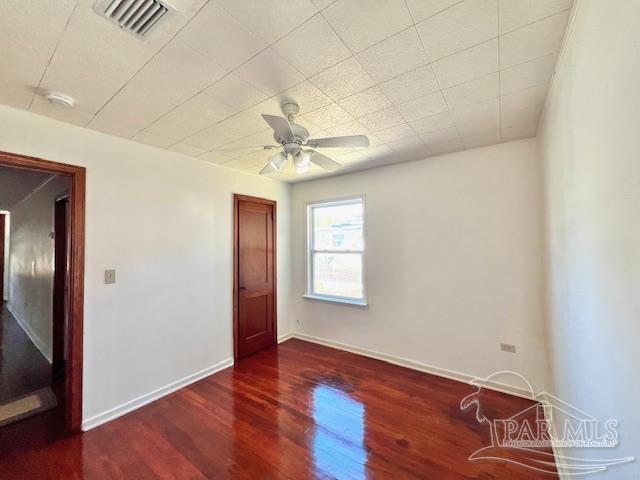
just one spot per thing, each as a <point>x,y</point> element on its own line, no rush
<point>23,368</point>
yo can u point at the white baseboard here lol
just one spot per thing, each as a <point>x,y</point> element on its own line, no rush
<point>150,397</point>
<point>422,367</point>
<point>45,349</point>
<point>285,337</point>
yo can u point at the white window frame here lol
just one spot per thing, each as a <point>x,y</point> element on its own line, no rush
<point>310,251</point>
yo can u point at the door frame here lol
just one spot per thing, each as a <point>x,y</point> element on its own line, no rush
<point>74,333</point>
<point>237,198</point>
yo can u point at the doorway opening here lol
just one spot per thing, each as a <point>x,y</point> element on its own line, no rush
<point>41,307</point>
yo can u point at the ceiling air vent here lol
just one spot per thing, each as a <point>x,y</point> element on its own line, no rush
<point>134,16</point>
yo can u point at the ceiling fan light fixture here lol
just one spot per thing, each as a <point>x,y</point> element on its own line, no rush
<point>302,160</point>
<point>278,161</point>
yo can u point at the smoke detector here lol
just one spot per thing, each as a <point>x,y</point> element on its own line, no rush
<point>137,17</point>
<point>57,98</point>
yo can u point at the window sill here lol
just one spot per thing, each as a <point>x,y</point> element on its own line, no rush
<point>344,301</point>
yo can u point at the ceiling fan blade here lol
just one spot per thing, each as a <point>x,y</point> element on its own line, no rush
<point>348,141</point>
<point>280,125</point>
<point>324,162</point>
<point>249,147</point>
<point>268,168</point>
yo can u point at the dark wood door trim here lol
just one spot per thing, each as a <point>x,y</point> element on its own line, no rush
<point>73,387</point>
<point>237,198</point>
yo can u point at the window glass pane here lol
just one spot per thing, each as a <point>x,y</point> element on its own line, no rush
<point>338,274</point>
<point>338,227</point>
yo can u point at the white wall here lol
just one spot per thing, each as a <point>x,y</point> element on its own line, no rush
<point>453,260</point>
<point>590,143</point>
<point>164,222</point>
<point>31,263</point>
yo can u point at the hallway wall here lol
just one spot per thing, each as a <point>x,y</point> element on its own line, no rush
<point>31,257</point>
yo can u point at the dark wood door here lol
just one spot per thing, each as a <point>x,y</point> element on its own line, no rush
<point>60,286</point>
<point>255,275</point>
<point>2,226</point>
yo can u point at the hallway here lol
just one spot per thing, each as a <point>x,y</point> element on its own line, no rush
<point>23,368</point>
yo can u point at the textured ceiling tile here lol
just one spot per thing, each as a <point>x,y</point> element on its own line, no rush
<point>421,9</point>
<point>520,123</point>
<point>235,92</point>
<point>344,79</point>
<point>178,92</point>
<point>322,4</point>
<point>467,65</point>
<point>383,119</point>
<point>269,73</point>
<point>461,26</point>
<point>445,147</point>
<point>396,133</point>
<point>185,149</point>
<point>215,157</point>
<point>529,97</point>
<point>221,37</point>
<point>312,47</point>
<point>306,95</point>
<point>518,13</point>
<point>423,106</point>
<point>199,113</point>
<point>328,116</point>
<point>175,74</point>
<point>252,143</point>
<point>270,19</point>
<point>69,115</point>
<point>474,91</point>
<point>413,84</point>
<point>529,74</point>
<point>154,140</point>
<point>398,54</point>
<point>114,126</point>
<point>361,23</point>
<point>440,136</point>
<point>29,32</point>
<point>482,139</point>
<point>349,128</point>
<point>365,102</point>
<point>477,118</point>
<point>214,136</point>
<point>432,123</point>
<point>536,40</point>
<point>165,129</point>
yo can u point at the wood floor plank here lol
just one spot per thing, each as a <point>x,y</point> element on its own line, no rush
<point>295,411</point>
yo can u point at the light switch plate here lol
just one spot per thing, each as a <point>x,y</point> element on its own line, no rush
<point>109,277</point>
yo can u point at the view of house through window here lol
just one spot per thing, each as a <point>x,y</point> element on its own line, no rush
<point>336,247</point>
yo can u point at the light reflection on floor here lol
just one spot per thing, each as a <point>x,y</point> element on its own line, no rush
<point>338,443</point>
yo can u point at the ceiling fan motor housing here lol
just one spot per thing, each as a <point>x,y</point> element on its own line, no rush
<point>300,137</point>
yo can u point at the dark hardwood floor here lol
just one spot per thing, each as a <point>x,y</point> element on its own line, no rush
<point>295,411</point>
<point>23,369</point>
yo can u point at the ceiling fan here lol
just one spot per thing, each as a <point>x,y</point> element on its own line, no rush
<point>295,143</point>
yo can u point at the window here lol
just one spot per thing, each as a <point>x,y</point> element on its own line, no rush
<point>335,255</point>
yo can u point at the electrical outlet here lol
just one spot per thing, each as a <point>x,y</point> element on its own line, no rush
<point>109,277</point>
<point>507,347</point>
